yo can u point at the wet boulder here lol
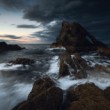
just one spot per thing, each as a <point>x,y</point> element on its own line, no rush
<point>73,65</point>
<point>51,99</point>
<point>41,85</point>
<point>87,97</point>
<point>44,96</point>
<point>23,61</point>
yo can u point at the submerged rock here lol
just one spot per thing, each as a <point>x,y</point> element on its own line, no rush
<point>7,47</point>
<point>44,96</point>
<point>23,61</point>
<point>73,65</point>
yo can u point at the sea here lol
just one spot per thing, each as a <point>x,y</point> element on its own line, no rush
<point>16,81</point>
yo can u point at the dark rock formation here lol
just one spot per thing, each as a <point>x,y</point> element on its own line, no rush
<point>104,51</point>
<point>87,97</point>
<point>107,93</point>
<point>74,37</point>
<point>55,45</point>
<point>41,85</point>
<point>73,65</point>
<point>6,47</point>
<point>99,68</point>
<point>44,96</point>
<point>23,61</point>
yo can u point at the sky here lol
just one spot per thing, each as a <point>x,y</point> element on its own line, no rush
<point>39,21</point>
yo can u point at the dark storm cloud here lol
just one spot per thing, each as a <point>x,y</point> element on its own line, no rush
<point>49,10</point>
<point>18,4</point>
<point>94,15</point>
<point>10,36</point>
<point>50,31</point>
<point>27,26</point>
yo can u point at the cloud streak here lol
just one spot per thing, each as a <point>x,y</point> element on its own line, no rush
<point>10,36</point>
<point>27,26</point>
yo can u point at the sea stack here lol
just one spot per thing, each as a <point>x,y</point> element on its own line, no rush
<point>75,38</point>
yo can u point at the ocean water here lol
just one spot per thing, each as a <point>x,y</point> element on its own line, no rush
<point>16,81</point>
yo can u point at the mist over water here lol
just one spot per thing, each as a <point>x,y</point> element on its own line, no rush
<point>16,81</point>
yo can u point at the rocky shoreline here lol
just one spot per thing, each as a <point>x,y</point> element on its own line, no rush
<point>8,47</point>
<point>46,95</point>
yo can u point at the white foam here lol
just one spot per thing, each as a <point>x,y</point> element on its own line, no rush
<point>11,95</point>
<point>96,60</point>
<point>23,90</point>
<point>8,66</point>
<point>100,80</point>
<point>57,48</point>
<point>54,66</point>
<point>67,82</point>
<point>4,66</point>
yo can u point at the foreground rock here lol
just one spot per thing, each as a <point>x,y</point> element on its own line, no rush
<point>87,97</point>
<point>107,93</point>
<point>73,65</point>
<point>75,38</point>
<point>44,96</point>
<point>23,61</point>
<point>7,47</point>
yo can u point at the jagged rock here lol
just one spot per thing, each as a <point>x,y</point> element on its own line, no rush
<point>73,65</point>
<point>76,36</point>
<point>44,96</point>
<point>55,45</point>
<point>87,97</point>
<point>71,49</point>
<point>6,47</point>
<point>102,68</point>
<point>41,85</point>
<point>23,61</point>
